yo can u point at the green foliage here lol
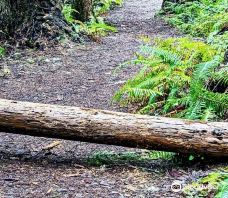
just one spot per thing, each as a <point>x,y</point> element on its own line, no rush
<point>175,80</point>
<point>108,158</point>
<point>96,25</point>
<point>220,42</point>
<point>153,155</point>
<point>223,189</point>
<point>181,77</point>
<point>99,27</point>
<point>68,12</point>
<point>202,18</point>
<point>111,158</point>
<point>102,6</point>
<point>2,52</point>
<point>215,183</point>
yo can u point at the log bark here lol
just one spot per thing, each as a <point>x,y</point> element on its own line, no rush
<point>107,127</point>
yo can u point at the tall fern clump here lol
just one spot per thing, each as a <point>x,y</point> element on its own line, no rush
<point>176,80</point>
<point>184,77</point>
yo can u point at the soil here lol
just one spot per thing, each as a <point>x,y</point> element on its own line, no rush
<point>83,75</point>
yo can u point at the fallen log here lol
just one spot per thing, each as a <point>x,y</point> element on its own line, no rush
<point>115,128</point>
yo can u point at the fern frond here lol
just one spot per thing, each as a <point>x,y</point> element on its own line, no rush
<point>194,112</point>
<point>153,81</point>
<point>208,114</point>
<point>137,93</point>
<point>166,56</point>
<point>203,70</point>
<point>221,76</point>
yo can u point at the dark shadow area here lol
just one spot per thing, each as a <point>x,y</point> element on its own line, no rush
<point>96,155</point>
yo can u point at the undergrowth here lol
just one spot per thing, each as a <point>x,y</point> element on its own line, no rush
<point>214,184</point>
<point>203,18</point>
<point>96,25</point>
<point>185,77</point>
<point>180,77</point>
<point>102,6</point>
<point>111,158</point>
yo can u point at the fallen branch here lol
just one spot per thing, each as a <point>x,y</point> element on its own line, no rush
<point>107,127</point>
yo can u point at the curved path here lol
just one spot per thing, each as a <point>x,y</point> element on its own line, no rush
<point>80,75</point>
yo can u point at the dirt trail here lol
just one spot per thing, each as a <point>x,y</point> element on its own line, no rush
<point>83,75</point>
<point>80,75</point>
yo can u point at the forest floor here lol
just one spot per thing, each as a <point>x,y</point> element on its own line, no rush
<point>82,75</point>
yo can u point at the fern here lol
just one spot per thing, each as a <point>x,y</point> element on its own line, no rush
<point>166,56</point>
<point>99,28</point>
<point>189,75</point>
<point>102,6</point>
<point>221,76</point>
<point>174,84</point>
<point>68,12</point>
<point>96,25</point>
<point>204,70</point>
<point>203,18</point>
<point>223,190</point>
<point>182,77</point>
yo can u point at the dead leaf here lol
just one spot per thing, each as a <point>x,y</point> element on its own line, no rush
<point>52,145</point>
<point>72,175</point>
<point>50,190</point>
